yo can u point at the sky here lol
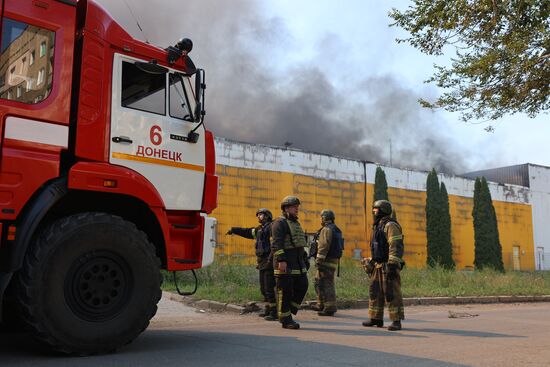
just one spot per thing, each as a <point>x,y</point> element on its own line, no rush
<point>328,77</point>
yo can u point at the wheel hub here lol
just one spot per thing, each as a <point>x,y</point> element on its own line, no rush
<point>97,286</point>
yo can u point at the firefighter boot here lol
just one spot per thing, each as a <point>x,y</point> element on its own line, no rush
<point>325,313</point>
<point>271,315</point>
<point>288,323</point>
<point>373,322</point>
<point>395,325</point>
<point>265,312</point>
<point>291,325</point>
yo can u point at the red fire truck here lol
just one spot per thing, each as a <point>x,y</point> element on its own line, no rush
<point>107,173</point>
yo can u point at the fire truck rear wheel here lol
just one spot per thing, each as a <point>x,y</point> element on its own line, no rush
<point>90,284</point>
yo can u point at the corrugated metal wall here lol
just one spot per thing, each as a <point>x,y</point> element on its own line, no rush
<point>513,175</point>
<point>254,176</point>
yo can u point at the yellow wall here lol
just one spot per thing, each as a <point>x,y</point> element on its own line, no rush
<point>243,191</point>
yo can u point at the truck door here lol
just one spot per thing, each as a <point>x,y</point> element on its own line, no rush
<point>149,129</point>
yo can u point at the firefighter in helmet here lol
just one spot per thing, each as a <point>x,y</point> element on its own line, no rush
<point>262,235</point>
<point>384,268</point>
<point>289,261</point>
<point>326,250</point>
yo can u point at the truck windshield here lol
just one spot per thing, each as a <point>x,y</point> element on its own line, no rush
<point>183,101</point>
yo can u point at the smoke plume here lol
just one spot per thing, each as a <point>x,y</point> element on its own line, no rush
<point>255,94</point>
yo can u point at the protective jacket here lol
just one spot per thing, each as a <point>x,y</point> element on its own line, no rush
<point>287,245</point>
<point>261,234</point>
<point>387,242</point>
<point>329,245</point>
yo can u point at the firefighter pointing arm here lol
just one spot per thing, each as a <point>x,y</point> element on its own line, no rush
<point>262,235</point>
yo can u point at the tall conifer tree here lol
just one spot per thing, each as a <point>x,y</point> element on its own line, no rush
<point>433,220</point>
<point>488,250</point>
<point>447,247</point>
<point>380,185</point>
<point>381,189</point>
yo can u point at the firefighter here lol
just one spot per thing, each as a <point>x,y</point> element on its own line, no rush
<point>327,252</point>
<point>384,268</point>
<point>289,261</point>
<point>262,235</point>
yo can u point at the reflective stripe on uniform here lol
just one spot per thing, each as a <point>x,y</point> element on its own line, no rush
<point>394,259</point>
<point>329,264</point>
<point>292,272</point>
<point>279,301</point>
<point>279,252</point>
<point>254,233</point>
<point>284,314</point>
<point>375,309</point>
<point>394,238</point>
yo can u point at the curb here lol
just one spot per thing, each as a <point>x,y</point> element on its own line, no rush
<point>215,306</point>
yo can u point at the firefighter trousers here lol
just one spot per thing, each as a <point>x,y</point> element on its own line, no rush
<point>382,291</point>
<point>267,287</point>
<point>325,289</point>
<point>291,290</point>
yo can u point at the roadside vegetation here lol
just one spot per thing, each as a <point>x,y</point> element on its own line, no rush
<point>231,282</point>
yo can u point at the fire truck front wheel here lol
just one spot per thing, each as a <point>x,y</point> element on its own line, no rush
<point>90,284</point>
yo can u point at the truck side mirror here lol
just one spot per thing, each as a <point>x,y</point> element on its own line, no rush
<point>200,87</point>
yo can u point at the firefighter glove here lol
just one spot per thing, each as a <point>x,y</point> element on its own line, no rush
<point>368,265</point>
<point>392,271</point>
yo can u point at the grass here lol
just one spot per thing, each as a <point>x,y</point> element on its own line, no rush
<point>233,282</point>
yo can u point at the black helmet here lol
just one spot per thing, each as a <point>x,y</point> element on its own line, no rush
<point>327,215</point>
<point>265,212</point>
<point>289,201</point>
<point>384,206</point>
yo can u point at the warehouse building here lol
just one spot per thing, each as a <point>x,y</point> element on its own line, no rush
<point>536,179</point>
<point>254,176</point>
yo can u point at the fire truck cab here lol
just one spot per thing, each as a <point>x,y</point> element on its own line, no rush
<point>107,173</point>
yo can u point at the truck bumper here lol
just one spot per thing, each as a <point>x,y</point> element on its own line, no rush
<point>210,240</point>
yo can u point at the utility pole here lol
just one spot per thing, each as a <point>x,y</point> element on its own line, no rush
<point>391,163</point>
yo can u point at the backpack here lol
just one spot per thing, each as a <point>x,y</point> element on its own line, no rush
<point>337,245</point>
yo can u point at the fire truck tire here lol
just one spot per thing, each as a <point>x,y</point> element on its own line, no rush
<point>90,283</point>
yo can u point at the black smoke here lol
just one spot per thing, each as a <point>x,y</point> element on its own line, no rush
<point>255,95</point>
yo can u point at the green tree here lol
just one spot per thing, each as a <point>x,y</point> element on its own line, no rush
<point>433,220</point>
<point>488,251</point>
<point>502,53</point>
<point>380,185</point>
<point>446,243</point>
<point>381,189</point>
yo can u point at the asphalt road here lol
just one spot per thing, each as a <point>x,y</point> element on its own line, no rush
<point>500,335</point>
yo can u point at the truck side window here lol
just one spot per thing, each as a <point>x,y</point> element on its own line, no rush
<point>178,98</point>
<point>183,101</point>
<point>24,77</point>
<point>143,91</point>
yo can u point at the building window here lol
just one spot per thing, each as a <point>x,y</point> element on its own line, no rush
<point>42,48</point>
<point>20,41</point>
<point>40,78</point>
